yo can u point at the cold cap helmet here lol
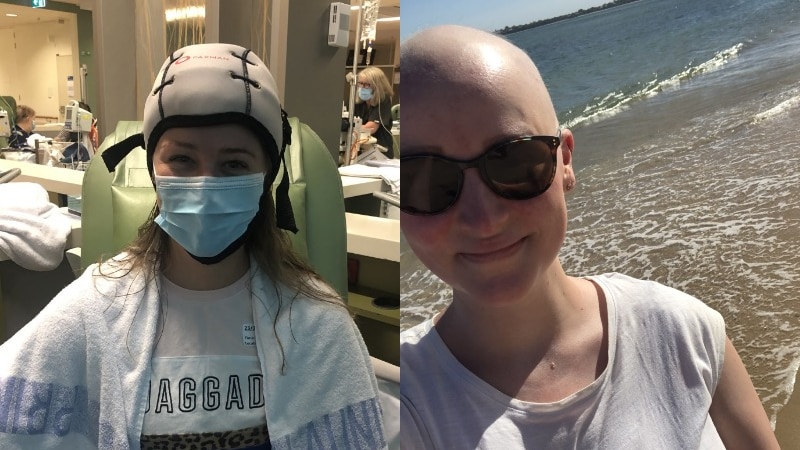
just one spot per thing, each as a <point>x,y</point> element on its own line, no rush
<point>213,84</point>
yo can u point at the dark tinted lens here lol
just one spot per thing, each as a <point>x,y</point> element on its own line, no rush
<point>428,184</point>
<point>520,169</point>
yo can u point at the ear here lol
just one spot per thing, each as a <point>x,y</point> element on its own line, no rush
<point>567,147</point>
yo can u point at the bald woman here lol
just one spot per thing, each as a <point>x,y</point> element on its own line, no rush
<point>527,356</point>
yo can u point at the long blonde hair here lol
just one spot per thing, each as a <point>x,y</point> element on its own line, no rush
<point>268,245</point>
<point>382,89</point>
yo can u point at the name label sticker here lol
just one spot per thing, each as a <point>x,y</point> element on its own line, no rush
<point>248,334</point>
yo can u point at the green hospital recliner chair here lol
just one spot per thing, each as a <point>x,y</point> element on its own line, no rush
<point>114,205</point>
<point>9,104</point>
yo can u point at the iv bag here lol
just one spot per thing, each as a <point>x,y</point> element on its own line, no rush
<point>369,20</point>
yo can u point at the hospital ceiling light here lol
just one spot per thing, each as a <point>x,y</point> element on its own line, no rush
<point>10,15</point>
<point>189,12</point>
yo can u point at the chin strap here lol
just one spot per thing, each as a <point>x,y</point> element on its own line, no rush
<point>208,260</point>
<point>283,205</point>
<point>114,155</point>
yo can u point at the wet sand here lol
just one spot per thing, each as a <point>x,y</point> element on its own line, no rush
<point>787,427</point>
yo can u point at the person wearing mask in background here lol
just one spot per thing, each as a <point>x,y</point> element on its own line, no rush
<point>25,124</point>
<point>374,106</point>
<point>208,331</point>
<point>527,356</point>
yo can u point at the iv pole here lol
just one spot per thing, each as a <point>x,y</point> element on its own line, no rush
<point>84,72</point>
<point>366,42</point>
<point>353,82</point>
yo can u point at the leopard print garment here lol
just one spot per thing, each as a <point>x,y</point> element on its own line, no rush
<point>247,438</point>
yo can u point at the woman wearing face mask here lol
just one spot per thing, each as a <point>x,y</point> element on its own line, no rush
<point>208,328</point>
<point>374,106</point>
<point>25,124</point>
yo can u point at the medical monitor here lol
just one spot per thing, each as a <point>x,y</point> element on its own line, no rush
<point>77,119</point>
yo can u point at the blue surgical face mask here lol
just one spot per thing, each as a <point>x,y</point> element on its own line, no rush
<point>206,215</point>
<point>365,93</point>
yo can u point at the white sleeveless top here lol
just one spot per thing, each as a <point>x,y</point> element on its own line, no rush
<point>665,358</point>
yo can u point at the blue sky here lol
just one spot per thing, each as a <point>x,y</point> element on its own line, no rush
<point>487,15</point>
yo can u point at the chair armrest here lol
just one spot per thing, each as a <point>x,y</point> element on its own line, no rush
<point>73,256</point>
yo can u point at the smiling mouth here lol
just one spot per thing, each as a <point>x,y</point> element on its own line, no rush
<point>494,255</point>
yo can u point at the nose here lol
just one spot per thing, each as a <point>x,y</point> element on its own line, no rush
<point>207,167</point>
<point>207,171</point>
<point>479,208</point>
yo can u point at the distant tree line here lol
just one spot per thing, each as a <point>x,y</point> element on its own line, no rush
<point>580,12</point>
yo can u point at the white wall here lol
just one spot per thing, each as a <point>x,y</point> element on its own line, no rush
<point>8,85</point>
<point>38,58</point>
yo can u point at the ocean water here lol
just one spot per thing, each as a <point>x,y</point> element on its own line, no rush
<point>686,117</point>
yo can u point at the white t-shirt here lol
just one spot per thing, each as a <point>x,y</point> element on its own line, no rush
<point>206,383</point>
<point>665,358</point>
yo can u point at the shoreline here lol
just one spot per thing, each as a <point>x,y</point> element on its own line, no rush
<point>581,12</point>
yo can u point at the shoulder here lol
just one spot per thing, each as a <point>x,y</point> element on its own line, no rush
<point>652,298</point>
<point>327,301</point>
<point>110,293</point>
<point>98,284</point>
<point>432,390</point>
<point>413,335</point>
<point>323,312</point>
<point>418,344</point>
<point>652,314</point>
<point>61,332</point>
<point>114,277</point>
<point>421,351</point>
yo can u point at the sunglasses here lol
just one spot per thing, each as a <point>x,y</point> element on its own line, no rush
<point>519,169</point>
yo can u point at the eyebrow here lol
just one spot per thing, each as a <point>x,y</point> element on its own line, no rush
<point>228,150</point>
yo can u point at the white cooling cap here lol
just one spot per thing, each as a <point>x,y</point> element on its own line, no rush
<point>209,84</point>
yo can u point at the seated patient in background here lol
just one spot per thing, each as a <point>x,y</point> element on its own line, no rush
<point>25,124</point>
<point>527,356</point>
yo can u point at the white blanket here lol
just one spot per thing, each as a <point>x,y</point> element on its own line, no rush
<point>33,232</point>
<point>388,170</point>
<point>76,377</point>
